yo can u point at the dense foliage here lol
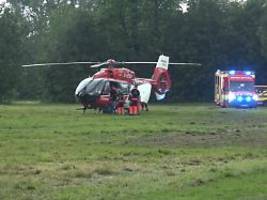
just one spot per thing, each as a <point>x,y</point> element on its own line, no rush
<point>217,33</point>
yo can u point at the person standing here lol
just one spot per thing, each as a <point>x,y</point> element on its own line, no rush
<point>113,98</point>
<point>134,98</point>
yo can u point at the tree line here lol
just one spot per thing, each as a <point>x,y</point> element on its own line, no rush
<point>219,34</point>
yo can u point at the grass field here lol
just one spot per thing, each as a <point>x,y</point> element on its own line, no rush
<point>188,151</point>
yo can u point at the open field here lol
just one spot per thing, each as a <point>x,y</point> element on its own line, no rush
<point>172,152</point>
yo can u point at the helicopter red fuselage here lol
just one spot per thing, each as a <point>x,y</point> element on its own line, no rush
<point>123,79</point>
<point>120,74</point>
<point>95,91</point>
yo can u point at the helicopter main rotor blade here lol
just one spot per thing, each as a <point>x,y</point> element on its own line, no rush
<point>184,64</point>
<point>119,63</point>
<point>58,64</point>
<point>137,63</point>
<point>190,64</point>
<point>98,64</point>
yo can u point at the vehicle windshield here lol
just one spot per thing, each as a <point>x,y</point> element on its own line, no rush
<point>242,86</point>
<point>95,87</point>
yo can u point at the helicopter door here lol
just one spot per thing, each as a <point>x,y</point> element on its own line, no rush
<point>145,92</point>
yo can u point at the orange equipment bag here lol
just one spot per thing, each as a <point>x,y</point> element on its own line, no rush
<point>120,110</point>
<point>133,110</point>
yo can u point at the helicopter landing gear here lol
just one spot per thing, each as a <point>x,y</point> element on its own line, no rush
<point>84,109</point>
<point>144,106</point>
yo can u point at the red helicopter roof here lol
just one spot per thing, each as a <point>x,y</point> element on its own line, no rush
<point>120,74</point>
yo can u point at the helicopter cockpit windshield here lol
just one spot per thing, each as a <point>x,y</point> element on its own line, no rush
<point>95,87</point>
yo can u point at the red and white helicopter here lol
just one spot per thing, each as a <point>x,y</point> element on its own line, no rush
<point>94,92</point>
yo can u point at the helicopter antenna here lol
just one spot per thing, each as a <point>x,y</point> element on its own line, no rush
<point>182,64</point>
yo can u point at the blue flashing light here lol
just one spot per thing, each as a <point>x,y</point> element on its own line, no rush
<point>248,98</point>
<point>232,72</point>
<point>239,98</point>
<point>248,73</point>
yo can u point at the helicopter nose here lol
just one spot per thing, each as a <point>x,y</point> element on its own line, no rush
<point>80,88</point>
<point>78,92</point>
<point>78,95</point>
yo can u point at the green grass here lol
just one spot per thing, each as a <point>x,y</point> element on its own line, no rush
<point>189,151</point>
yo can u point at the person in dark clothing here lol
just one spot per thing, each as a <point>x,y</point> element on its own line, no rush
<point>135,93</point>
<point>120,104</point>
<point>113,94</point>
<point>113,98</point>
<point>134,98</point>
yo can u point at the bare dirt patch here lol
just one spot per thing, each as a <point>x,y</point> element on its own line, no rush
<point>234,137</point>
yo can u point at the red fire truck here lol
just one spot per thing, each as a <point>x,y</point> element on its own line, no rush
<point>235,89</point>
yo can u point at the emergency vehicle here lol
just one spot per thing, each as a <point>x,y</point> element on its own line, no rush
<point>235,89</point>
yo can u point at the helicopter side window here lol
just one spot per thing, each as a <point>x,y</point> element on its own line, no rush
<point>125,88</point>
<point>114,84</point>
<point>122,88</point>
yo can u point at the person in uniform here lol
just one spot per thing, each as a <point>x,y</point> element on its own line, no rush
<point>134,98</point>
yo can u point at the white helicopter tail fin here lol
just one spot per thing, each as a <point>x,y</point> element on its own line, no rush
<point>163,62</point>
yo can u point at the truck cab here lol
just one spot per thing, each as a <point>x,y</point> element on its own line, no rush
<point>235,89</point>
